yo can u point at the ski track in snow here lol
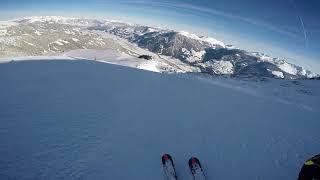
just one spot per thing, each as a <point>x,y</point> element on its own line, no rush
<point>90,120</point>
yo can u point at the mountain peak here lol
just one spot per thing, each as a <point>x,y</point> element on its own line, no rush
<point>209,40</point>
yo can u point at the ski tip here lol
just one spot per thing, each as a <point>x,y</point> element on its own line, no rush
<point>166,157</point>
<point>194,160</point>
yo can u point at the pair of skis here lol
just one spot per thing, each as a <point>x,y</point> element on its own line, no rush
<point>170,171</point>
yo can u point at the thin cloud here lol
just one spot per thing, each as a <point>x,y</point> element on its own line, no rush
<point>303,28</point>
<point>304,31</point>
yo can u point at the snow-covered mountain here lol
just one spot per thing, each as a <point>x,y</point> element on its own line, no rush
<point>50,35</point>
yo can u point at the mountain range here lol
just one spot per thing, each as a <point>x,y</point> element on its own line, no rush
<point>51,35</point>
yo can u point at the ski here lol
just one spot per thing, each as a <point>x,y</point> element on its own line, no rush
<point>196,169</point>
<point>168,167</point>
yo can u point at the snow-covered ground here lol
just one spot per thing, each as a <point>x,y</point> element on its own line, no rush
<point>36,58</point>
<point>92,120</point>
<point>115,57</point>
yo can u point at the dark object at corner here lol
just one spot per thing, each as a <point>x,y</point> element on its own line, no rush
<point>311,169</point>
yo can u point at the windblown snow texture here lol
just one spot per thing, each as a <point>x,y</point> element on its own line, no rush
<point>90,120</point>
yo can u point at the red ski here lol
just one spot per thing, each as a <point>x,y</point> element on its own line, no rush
<point>168,167</point>
<point>196,169</point>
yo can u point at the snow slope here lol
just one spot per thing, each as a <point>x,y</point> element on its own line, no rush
<point>157,64</point>
<point>91,120</point>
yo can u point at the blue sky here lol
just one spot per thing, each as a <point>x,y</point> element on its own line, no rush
<point>286,28</point>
